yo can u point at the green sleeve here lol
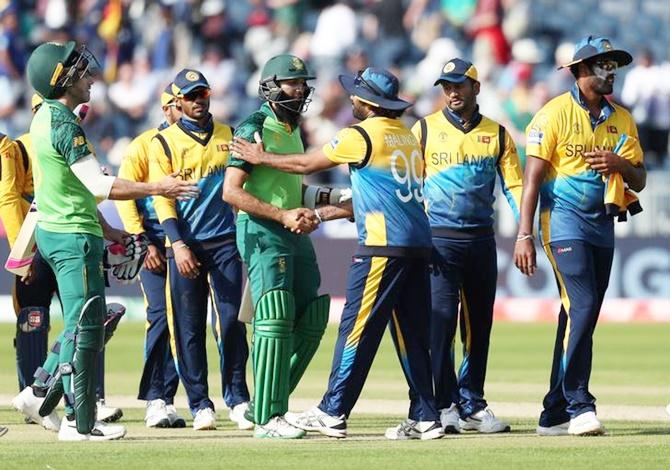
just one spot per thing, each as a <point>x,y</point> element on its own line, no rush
<point>69,140</point>
<point>246,131</point>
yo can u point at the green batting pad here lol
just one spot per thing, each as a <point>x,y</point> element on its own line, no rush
<point>90,341</point>
<point>307,335</point>
<point>273,326</point>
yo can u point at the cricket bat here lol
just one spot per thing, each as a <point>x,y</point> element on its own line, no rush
<point>246,314</point>
<point>23,251</point>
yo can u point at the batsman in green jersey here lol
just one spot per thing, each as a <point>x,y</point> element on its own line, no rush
<point>276,213</point>
<point>68,185</point>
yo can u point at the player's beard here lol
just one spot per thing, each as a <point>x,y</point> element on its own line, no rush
<point>289,112</point>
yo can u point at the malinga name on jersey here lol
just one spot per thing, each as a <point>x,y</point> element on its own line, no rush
<point>458,158</point>
<point>190,173</point>
<point>396,140</point>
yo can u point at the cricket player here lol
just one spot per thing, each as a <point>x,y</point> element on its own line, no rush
<point>272,226</point>
<point>388,282</point>
<point>463,151</point>
<point>68,185</point>
<point>570,144</point>
<point>203,260</point>
<point>159,381</point>
<point>32,295</point>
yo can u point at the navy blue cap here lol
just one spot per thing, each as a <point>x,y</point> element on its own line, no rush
<point>378,87</point>
<point>457,71</point>
<point>590,46</point>
<point>188,80</point>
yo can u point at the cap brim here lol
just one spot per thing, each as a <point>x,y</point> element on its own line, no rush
<point>621,57</point>
<point>192,86</point>
<point>451,79</point>
<point>348,83</point>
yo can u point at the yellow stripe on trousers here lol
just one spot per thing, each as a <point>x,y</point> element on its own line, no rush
<point>217,314</point>
<point>398,333</point>
<point>374,278</point>
<point>466,319</point>
<point>170,314</point>
<point>565,300</point>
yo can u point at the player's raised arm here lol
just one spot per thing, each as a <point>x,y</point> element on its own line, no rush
<point>302,164</point>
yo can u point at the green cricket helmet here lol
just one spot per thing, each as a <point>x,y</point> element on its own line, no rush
<point>285,67</point>
<point>54,67</point>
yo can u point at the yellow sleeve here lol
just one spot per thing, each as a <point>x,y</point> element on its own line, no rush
<point>134,167</point>
<point>511,176</point>
<point>348,146</point>
<point>541,135</point>
<point>159,167</point>
<point>13,208</point>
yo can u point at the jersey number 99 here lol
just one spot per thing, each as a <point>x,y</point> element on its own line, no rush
<point>405,172</point>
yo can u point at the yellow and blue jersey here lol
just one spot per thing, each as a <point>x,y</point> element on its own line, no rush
<point>16,184</point>
<point>461,164</point>
<point>200,158</point>
<point>139,216</point>
<point>386,169</point>
<point>572,195</point>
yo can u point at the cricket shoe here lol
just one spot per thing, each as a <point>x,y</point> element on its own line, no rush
<point>449,418</point>
<point>237,414</point>
<point>176,421</point>
<point>586,424</point>
<point>27,403</point>
<point>555,430</point>
<point>317,420</point>
<point>204,420</point>
<point>157,416</point>
<point>278,428</point>
<point>410,429</point>
<point>483,421</point>
<point>108,414</point>
<point>101,431</point>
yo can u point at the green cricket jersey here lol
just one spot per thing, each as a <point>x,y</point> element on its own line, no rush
<point>64,203</point>
<point>283,190</point>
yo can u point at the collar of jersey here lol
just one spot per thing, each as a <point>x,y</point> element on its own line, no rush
<point>58,104</point>
<point>606,109</point>
<point>269,112</point>
<point>194,131</point>
<point>459,122</point>
<point>163,125</point>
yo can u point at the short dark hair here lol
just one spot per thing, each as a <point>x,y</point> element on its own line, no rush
<point>388,113</point>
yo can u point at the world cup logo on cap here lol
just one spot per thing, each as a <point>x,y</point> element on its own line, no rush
<point>192,76</point>
<point>449,67</point>
<point>606,45</point>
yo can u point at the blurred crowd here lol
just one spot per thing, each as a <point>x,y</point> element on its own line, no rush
<point>141,44</point>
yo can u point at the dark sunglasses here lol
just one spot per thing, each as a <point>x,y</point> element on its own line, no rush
<point>202,93</point>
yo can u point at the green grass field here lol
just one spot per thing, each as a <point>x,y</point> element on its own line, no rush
<point>631,379</point>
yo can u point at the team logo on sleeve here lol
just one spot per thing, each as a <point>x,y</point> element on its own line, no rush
<point>612,130</point>
<point>334,142</point>
<point>535,136</point>
<point>484,139</point>
<point>78,140</point>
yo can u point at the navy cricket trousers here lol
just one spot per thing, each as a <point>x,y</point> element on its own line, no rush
<point>221,279</point>
<point>582,271</point>
<point>159,375</point>
<point>383,291</point>
<point>463,288</point>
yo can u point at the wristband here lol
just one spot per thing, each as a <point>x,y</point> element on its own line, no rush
<point>179,244</point>
<point>525,236</point>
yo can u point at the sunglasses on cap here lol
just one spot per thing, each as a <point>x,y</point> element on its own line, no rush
<point>360,81</point>
<point>202,93</point>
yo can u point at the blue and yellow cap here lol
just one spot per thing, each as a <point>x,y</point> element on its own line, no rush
<point>590,46</point>
<point>377,87</point>
<point>188,80</point>
<point>167,96</point>
<point>456,71</point>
